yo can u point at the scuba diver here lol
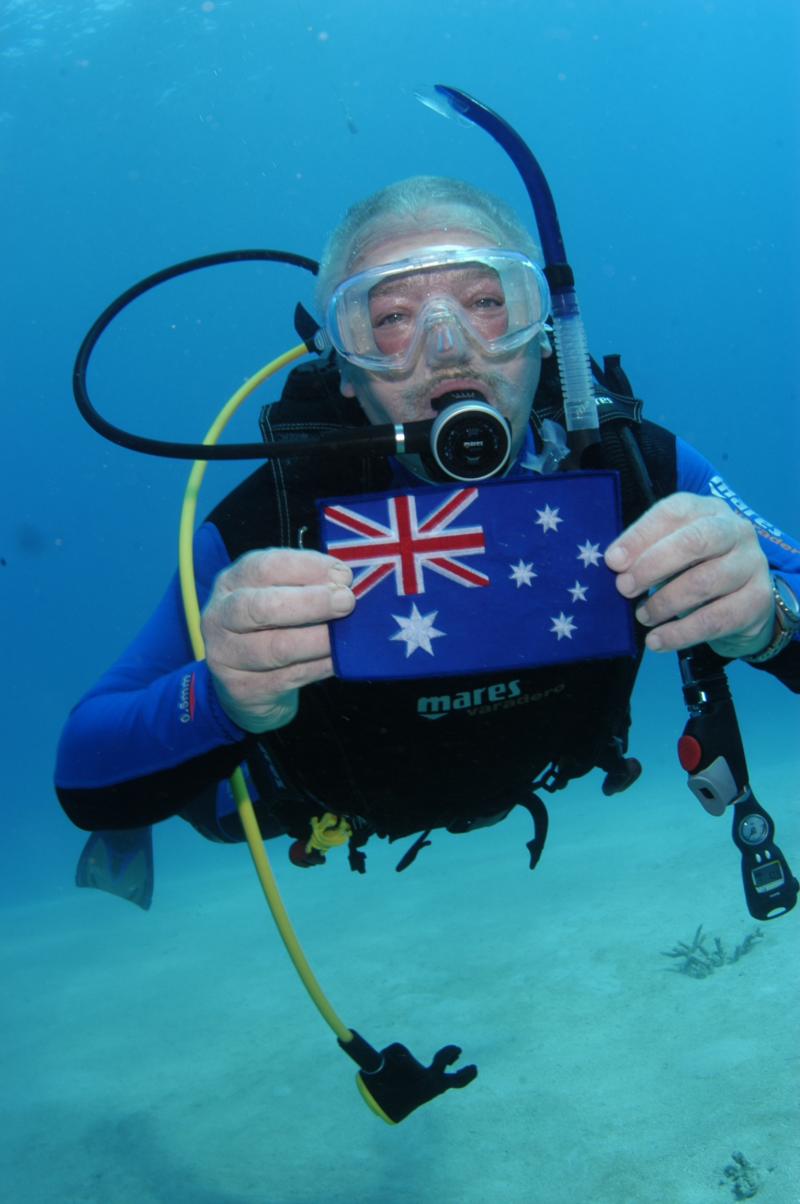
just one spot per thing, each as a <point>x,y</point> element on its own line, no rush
<point>433,297</point>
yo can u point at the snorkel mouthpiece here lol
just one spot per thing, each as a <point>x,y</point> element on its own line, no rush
<point>580,408</point>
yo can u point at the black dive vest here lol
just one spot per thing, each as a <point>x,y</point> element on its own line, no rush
<point>457,752</point>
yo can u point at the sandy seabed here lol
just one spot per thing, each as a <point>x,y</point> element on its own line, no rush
<point>172,1056</point>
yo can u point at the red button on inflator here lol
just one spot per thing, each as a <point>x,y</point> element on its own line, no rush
<point>690,753</point>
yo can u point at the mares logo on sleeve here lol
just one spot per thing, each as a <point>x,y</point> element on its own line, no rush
<point>501,575</point>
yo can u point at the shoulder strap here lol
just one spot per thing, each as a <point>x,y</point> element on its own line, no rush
<point>311,402</point>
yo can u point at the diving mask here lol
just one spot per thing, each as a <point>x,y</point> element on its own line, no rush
<point>495,299</point>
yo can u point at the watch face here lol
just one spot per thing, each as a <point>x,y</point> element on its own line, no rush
<point>788,601</point>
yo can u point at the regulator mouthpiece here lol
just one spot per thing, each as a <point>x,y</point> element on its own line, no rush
<point>469,441</point>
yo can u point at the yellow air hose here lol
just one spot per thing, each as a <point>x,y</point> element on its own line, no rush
<point>244,803</point>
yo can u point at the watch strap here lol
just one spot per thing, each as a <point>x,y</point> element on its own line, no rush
<point>786,624</point>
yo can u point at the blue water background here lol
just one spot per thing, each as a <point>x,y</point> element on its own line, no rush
<point>136,134</point>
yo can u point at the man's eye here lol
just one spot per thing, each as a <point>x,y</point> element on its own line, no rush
<point>393,318</point>
<point>488,303</point>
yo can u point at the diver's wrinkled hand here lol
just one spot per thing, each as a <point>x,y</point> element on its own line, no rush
<point>266,634</point>
<point>709,577</point>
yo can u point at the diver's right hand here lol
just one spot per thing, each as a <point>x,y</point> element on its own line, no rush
<point>266,634</point>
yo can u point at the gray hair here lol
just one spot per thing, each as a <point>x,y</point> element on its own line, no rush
<point>412,205</point>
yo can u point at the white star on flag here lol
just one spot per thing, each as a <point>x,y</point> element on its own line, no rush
<point>522,573</point>
<point>563,626</point>
<point>589,553</point>
<point>548,519</point>
<point>578,591</point>
<point>417,630</point>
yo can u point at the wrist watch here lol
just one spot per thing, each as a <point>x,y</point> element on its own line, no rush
<point>787,621</point>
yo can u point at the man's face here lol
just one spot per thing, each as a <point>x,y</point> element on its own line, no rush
<point>507,382</point>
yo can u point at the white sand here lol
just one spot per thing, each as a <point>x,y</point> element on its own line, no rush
<point>173,1056</point>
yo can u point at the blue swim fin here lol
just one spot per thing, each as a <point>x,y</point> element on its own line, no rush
<point>120,863</point>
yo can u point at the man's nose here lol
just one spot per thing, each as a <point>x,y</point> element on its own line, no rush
<point>445,342</point>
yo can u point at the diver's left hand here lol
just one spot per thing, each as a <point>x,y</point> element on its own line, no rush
<point>709,577</point>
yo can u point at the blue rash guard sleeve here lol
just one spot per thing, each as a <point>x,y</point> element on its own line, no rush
<point>151,734</point>
<point>697,475</point>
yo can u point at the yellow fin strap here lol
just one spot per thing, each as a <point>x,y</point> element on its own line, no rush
<point>330,832</point>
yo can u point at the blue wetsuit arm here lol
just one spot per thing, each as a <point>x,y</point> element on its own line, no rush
<point>697,475</point>
<point>151,734</point>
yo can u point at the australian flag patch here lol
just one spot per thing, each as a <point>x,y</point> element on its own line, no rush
<point>473,578</point>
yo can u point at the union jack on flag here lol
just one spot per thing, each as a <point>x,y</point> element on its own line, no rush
<point>405,546</point>
<point>470,579</point>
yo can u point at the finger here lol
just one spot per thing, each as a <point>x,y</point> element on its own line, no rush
<point>666,516</point>
<point>695,587</point>
<point>250,609</point>
<point>717,620</point>
<point>254,686</point>
<point>707,537</point>
<point>285,566</point>
<point>264,651</point>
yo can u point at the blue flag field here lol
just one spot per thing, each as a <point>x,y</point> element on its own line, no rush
<point>473,578</point>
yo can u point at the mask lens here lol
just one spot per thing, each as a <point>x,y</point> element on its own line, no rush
<point>379,318</point>
<point>402,306</point>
